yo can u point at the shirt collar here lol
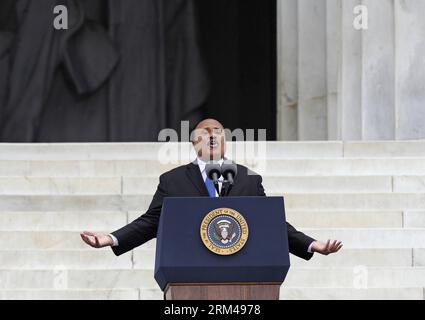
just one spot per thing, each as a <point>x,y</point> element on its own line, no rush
<point>202,164</point>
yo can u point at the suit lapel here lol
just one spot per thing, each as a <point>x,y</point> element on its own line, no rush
<point>195,176</point>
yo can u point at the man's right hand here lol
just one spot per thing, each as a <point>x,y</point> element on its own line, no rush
<point>96,240</point>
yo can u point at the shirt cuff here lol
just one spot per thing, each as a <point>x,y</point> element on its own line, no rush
<point>309,248</point>
<point>114,239</point>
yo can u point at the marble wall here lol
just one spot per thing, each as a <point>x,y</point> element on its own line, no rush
<point>339,83</point>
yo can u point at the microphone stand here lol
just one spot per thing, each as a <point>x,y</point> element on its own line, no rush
<point>215,181</point>
<point>226,186</point>
<point>223,189</point>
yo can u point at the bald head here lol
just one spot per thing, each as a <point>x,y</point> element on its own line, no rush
<point>209,140</point>
<point>209,123</point>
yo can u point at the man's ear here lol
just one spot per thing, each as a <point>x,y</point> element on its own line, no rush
<point>195,142</point>
<point>192,137</point>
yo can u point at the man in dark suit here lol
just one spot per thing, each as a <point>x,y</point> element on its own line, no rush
<point>191,181</point>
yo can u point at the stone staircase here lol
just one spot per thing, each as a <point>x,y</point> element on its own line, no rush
<point>370,195</point>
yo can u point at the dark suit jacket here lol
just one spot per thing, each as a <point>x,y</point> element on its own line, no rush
<point>187,181</point>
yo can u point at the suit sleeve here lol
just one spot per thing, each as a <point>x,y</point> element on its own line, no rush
<point>143,228</point>
<point>298,242</point>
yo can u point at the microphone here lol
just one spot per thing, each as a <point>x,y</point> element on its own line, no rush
<point>229,171</point>
<point>213,171</point>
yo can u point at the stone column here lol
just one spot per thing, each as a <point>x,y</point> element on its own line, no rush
<point>287,73</point>
<point>333,54</point>
<point>410,69</point>
<point>349,84</point>
<point>378,72</point>
<point>312,82</point>
<point>339,83</point>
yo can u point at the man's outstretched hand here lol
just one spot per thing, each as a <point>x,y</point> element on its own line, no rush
<point>96,240</point>
<point>326,248</point>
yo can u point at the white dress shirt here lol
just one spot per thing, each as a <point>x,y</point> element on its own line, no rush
<point>202,164</point>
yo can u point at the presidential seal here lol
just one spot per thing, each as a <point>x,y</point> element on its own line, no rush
<point>224,231</point>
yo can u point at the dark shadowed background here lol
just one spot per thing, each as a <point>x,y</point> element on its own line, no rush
<point>126,69</point>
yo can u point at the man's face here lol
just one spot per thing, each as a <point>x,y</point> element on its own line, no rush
<point>209,140</point>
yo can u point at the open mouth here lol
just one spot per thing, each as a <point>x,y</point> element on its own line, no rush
<point>213,144</point>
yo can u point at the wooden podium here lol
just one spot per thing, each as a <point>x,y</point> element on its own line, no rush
<point>222,291</point>
<point>197,260</point>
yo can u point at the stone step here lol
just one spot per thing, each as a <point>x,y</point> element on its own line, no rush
<point>356,277</point>
<point>341,167</point>
<point>414,184</point>
<point>92,151</point>
<point>372,238</point>
<point>352,238</point>
<point>344,219</point>
<point>351,294</point>
<point>81,168</point>
<point>60,186</point>
<point>271,149</point>
<point>336,277</point>
<point>73,202</point>
<point>414,219</point>
<point>64,259</point>
<point>272,167</point>
<point>144,258</point>
<point>293,201</point>
<point>347,219</point>
<point>383,149</point>
<point>46,240</point>
<point>80,294</point>
<point>359,201</point>
<point>156,294</point>
<point>329,184</point>
<point>112,220</point>
<point>62,220</point>
<point>324,184</point>
<point>148,185</point>
<point>370,257</point>
<point>77,279</point>
<point>165,151</point>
